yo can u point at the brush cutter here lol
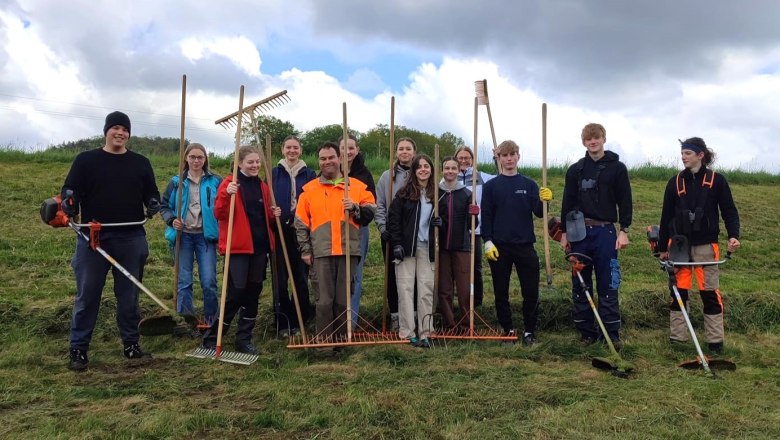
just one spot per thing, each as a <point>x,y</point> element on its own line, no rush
<point>165,324</point>
<point>678,250</point>
<point>615,364</point>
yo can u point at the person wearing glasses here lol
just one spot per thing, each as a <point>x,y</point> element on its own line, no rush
<point>198,228</point>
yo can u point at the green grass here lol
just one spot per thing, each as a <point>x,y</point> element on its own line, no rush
<point>463,390</point>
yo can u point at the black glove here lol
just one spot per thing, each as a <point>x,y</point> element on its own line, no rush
<point>152,207</point>
<point>436,221</point>
<point>386,236</point>
<point>69,205</point>
<point>398,252</point>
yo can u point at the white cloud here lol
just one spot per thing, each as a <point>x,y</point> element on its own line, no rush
<point>239,50</point>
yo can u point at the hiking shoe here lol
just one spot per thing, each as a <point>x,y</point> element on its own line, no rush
<point>617,344</point>
<point>586,341</point>
<point>528,339</point>
<point>133,351</point>
<point>284,333</point>
<point>78,360</point>
<point>509,342</point>
<point>716,348</point>
<point>423,343</point>
<point>394,322</point>
<point>246,347</point>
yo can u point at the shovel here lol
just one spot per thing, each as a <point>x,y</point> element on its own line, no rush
<point>614,363</point>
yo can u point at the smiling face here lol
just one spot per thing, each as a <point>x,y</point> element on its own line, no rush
<point>116,138</point>
<point>465,160</point>
<point>404,151</point>
<point>329,163</point>
<point>291,150</point>
<point>250,164</point>
<point>352,149</point>
<point>450,169</point>
<point>196,159</point>
<point>423,171</point>
<point>595,145</point>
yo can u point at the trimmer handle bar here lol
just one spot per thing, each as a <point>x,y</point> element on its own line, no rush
<point>86,225</point>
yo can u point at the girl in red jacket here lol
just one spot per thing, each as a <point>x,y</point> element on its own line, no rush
<point>252,240</point>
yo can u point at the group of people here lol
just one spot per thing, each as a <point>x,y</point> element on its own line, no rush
<point>324,222</point>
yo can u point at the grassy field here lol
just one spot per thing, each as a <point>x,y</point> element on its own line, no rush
<point>461,390</point>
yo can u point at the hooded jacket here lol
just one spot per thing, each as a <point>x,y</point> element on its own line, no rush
<point>282,186</point>
<point>454,233</point>
<point>601,190</point>
<point>359,171</point>
<point>465,177</point>
<point>209,183</point>
<point>403,222</point>
<point>382,202</point>
<point>718,203</point>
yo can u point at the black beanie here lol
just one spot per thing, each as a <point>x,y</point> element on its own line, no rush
<point>116,118</point>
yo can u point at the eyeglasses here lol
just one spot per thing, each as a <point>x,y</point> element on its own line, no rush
<point>196,157</point>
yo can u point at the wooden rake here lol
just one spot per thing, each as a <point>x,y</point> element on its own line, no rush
<point>250,112</point>
<point>481,90</point>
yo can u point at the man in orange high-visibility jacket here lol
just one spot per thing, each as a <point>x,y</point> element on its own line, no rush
<point>320,227</point>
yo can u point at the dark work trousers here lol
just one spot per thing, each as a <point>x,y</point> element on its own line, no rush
<point>130,250</point>
<point>454,279</point>
<point>598,244</point>
<point>392,288</point>
<point>331,299</point>
<point>245,281</point>
<point>526,263</point>
<point>478,286</point>
<point>286,316</point>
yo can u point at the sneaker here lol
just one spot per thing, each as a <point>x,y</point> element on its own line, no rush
<point>423,343</point>
<point>247,347</point>
<point>394,323</point>
<point>509,342</point>
<point>296,332</point>
<point>133,351</point>
<point>414,342</point>
<point>528,339</point>
<point>284,333</point>
<point>716,348</point>
<point>586,341</point>
<point>78,360</point>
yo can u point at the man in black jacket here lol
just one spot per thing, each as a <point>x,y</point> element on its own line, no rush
<point>109,185</point>
<point>598,192</point>
<point>691,203</point>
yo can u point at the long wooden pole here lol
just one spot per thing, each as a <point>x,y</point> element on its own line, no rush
<point>347,268</point>
<point>547,265</point>
<point>285,254</point>
<point>388,200</point>
<point>436,228</point>
<point>228,245</point>
<point>177,245</point>
<point>473,223</point>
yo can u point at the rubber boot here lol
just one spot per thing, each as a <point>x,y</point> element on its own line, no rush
<point>244,333</point>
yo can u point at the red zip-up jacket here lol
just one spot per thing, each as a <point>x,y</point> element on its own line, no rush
<point>242,236</point>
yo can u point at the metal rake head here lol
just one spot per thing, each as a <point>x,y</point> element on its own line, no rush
<point>251,111</point>
<point>226,356</point>
<point>480,87</point>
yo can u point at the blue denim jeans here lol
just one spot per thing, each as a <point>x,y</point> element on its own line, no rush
<point>130,250</point>
<point>357,290</point>
<point>192,247</point>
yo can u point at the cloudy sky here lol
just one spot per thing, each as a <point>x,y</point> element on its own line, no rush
<point>651,72</point>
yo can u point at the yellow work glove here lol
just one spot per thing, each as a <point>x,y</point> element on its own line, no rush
<point>545,194</point>
<point>491,251</point>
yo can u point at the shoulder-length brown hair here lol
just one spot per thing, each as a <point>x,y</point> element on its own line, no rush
<point>412,188</point>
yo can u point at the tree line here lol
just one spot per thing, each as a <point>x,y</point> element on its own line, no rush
<point>373,143</point>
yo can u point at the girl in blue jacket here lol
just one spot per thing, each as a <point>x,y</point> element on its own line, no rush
<point>199,231</point>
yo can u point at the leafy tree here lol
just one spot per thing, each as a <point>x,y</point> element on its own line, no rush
<point>265,124</point>
<point>315,137</point>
